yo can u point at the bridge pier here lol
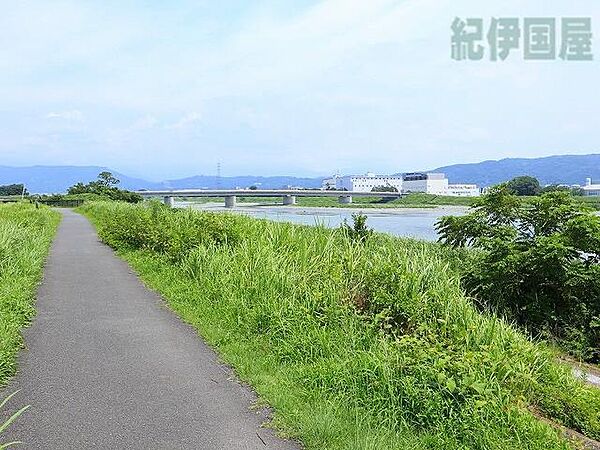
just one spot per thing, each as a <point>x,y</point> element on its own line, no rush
<point>169,201</point>
<point>346,199</point>
<point>230,201</point>
<point>289,199</point>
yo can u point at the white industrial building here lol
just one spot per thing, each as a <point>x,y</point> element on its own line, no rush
<point>436,184</point>
<point>591,189</point>
<point>366,183</point>
<point>429,183</point>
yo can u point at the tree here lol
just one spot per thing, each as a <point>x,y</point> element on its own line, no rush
<point>524,185</point>
<point>105,186</point>
<point>107,179</point>
<point>13,189</point>
<point>537,263</point>
<point>576,191</point>
<point>384,189</point>
<point>78,188</point>
<point>253,188</point>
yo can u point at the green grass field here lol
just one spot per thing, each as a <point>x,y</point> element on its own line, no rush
<point>409,201</point>
<point>356,346</point>
<point>25,237</point>
<point>415,200</point>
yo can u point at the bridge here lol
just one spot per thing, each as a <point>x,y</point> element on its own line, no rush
<point>10,199</point>
<point>288,196</point>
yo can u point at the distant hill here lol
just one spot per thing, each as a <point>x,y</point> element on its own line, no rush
<point>567,169</point>
<point>211,182</point>
<point>56,179</point>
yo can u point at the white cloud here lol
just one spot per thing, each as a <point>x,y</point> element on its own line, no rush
<point>186,121</point>
<point>144,123</point>
<point>338,83</point>
<point>72,116</point>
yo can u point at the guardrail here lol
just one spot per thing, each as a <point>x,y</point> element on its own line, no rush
<point>62,203</point>
<point>10,199</point>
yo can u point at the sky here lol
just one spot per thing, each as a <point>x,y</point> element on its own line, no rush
<point>164,90</point>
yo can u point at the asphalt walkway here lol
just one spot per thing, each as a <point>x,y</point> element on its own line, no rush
<point>108,366</point>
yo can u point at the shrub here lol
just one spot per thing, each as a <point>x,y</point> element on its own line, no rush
<point>359,231</point>
<point>537,263</point>
<point>169,231</point>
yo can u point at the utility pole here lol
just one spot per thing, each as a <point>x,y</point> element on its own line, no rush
<point>218,180</point>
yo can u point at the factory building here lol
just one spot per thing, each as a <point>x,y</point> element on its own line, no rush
<point>368,182</point>
<point>429,183</point>
<point>424,182</point>
<point>592,190</point>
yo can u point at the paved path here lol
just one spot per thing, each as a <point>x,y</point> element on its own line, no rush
<point>107,366</point>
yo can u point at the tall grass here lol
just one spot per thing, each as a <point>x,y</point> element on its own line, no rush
<point>366,345</point>
<point>25,237</point>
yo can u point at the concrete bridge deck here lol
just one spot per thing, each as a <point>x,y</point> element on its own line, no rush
<point>288,195</point>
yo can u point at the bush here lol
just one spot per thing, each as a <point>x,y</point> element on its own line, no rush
<point>105,187</point>
<point>359,231</point>
<point>168,231</point>
<point>537,263</point>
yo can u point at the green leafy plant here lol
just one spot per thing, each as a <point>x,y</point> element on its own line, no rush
<point>359,231</point>
<point>10,420</point>
<point>536,262</point>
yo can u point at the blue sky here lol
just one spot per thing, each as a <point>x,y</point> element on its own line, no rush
<point>169,89</point>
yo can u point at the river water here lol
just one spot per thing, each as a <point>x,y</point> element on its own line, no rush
<point>410,222</point>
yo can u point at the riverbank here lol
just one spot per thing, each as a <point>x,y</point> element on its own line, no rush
<point>25,237</point>
<point>410,201</point>
<point>356,345</point>
<point>418,223</point>
<point>299,209</point>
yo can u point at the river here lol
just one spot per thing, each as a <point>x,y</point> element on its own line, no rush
<point>410,222</point>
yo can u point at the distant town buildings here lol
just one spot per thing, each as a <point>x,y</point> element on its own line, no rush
<point>590,189</point>
<point>424,182</point>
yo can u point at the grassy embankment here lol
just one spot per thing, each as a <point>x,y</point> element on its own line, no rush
<point>25,237</point>
<point>409,201</point>
<point>415,200</point>
<point>357,346</point>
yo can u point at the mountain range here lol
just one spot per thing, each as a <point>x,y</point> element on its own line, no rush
<point>57,179</point>
<point>562,169</point>
<point>565,169</point>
